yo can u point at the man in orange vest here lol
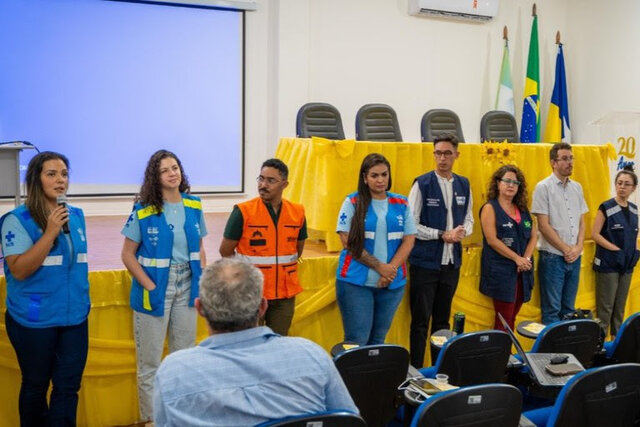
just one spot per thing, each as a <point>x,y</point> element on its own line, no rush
<point>269,232</point>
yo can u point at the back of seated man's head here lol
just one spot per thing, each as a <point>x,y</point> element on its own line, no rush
<point>230,295</point>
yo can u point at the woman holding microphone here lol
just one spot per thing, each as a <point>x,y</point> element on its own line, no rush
<point>164,254</point>
<point>377,231</point>
<point>45,249</point>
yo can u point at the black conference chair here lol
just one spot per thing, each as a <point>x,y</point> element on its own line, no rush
<point>473,358</point>
<point>499,126</point>
<point>329,419</point>
<point>487,405</point>
<point>625,348</point>
<point>440,120</point>
<point>377,122</point>
<point>319,119</point>
<point>372,375</point>
<point>597,397</point>
<point>579,337</point>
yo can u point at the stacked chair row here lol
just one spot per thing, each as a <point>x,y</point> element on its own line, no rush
<point>379,122</point>
<point>496,390</point>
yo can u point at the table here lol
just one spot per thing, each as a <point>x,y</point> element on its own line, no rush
<point>322,172</point>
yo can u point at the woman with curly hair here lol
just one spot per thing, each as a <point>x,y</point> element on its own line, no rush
<point>507,247</point>
<point>164,254</point>
<point>377,231</point>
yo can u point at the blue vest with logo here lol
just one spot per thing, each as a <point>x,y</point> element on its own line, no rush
<point>154,254</point>
<point>499,275</point>
<point>428,253</point>
<point>57,293</point>
<point>352,271</point>
<point>623,233</point>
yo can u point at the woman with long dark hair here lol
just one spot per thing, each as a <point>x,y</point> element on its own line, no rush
<point>615,231</point>
<point>163,252</point>
<point>45,248</point>
<point>377,231</point>
<point>510,236</point>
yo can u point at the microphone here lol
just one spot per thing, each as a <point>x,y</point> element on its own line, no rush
<point>61,200</point>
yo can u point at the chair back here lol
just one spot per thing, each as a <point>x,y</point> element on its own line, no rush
<point>486,405</point>
<point>579,337</point>
<point>605,396</point>
<point>626,346</point>
<point>498,126</point>
<point>319,119</point>
<point>475,358</point>
<point>377,122</point>
<point>372,375</point>
<point>439,120</point>
<point>328,419</point>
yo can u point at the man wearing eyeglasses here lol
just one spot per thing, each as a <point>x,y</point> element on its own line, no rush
<point>442,207</point>
<point>559,205</point>
<point>269,232</point>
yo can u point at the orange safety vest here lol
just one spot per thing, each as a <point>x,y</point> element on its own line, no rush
<point>273,250</point>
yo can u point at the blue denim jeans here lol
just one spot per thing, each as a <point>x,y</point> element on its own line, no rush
<point>366,312</point>
<point>54,355</point>
<point>150,331</point>
<point>558,286</point>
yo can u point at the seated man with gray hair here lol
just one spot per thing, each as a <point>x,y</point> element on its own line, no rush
<point>243,374</point>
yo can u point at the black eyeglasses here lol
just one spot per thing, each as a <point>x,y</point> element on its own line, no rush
<point>445,154</point>
<point>510,181</point>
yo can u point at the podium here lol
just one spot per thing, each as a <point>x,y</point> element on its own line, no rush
<point>10,169</point>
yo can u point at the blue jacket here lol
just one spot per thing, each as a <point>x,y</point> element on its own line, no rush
<point>352,271</point>
<point>621,232</point>
<point>499,275</point>
<point>428,253</point>
<point>57,293</point>
<point>154,254</point>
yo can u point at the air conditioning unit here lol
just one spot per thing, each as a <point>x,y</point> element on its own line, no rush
<point>476,10</point>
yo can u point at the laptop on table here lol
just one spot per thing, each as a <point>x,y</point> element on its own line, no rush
<point>538,362</point>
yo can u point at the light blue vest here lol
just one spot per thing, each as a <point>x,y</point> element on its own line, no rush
<point>621,232</point>
<point>57,293</point>
<point>352,271</point>
<point>154,254</point>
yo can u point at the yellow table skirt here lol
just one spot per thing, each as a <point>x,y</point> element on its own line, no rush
<point>322,172</point>
<point>108,394</point>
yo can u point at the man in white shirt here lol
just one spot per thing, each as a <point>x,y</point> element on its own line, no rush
<point>442,205</point>
<point>559,205</point>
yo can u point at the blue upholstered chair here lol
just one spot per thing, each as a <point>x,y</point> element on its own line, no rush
<point>486,405</point>
<point>473,358</point>
<point>580,337</point>
<point>597,397</point>
<point>329,419</point>
<point>625,348</point>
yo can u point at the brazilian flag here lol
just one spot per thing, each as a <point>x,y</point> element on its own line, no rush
<point>530,127</point>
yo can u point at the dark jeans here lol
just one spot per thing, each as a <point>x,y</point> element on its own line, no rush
<point>430,294</point>
<point>57,355</point>
<point>558,286</point>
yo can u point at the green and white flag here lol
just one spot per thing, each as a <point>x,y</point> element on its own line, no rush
<point>504,97</point>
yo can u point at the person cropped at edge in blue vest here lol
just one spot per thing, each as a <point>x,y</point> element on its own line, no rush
<point>615,231</point>
<point>163,252</point>
<point>442,208</point>
<point>559,205</point>
<point>47,294</point>
<point>377,231</point>
<point>510,237</point>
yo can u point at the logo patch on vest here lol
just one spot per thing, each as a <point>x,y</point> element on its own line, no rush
<point>400,219</point>
<point>460,200</point>
<point>343,218</point>
<point>256,239</point>
<point>507,241</point>
<point>8,239</point>
<point>81,233</point>
<point>617,227</point>
<point>508,224</point>
<point>527,224</point>
<point>434,203</point>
